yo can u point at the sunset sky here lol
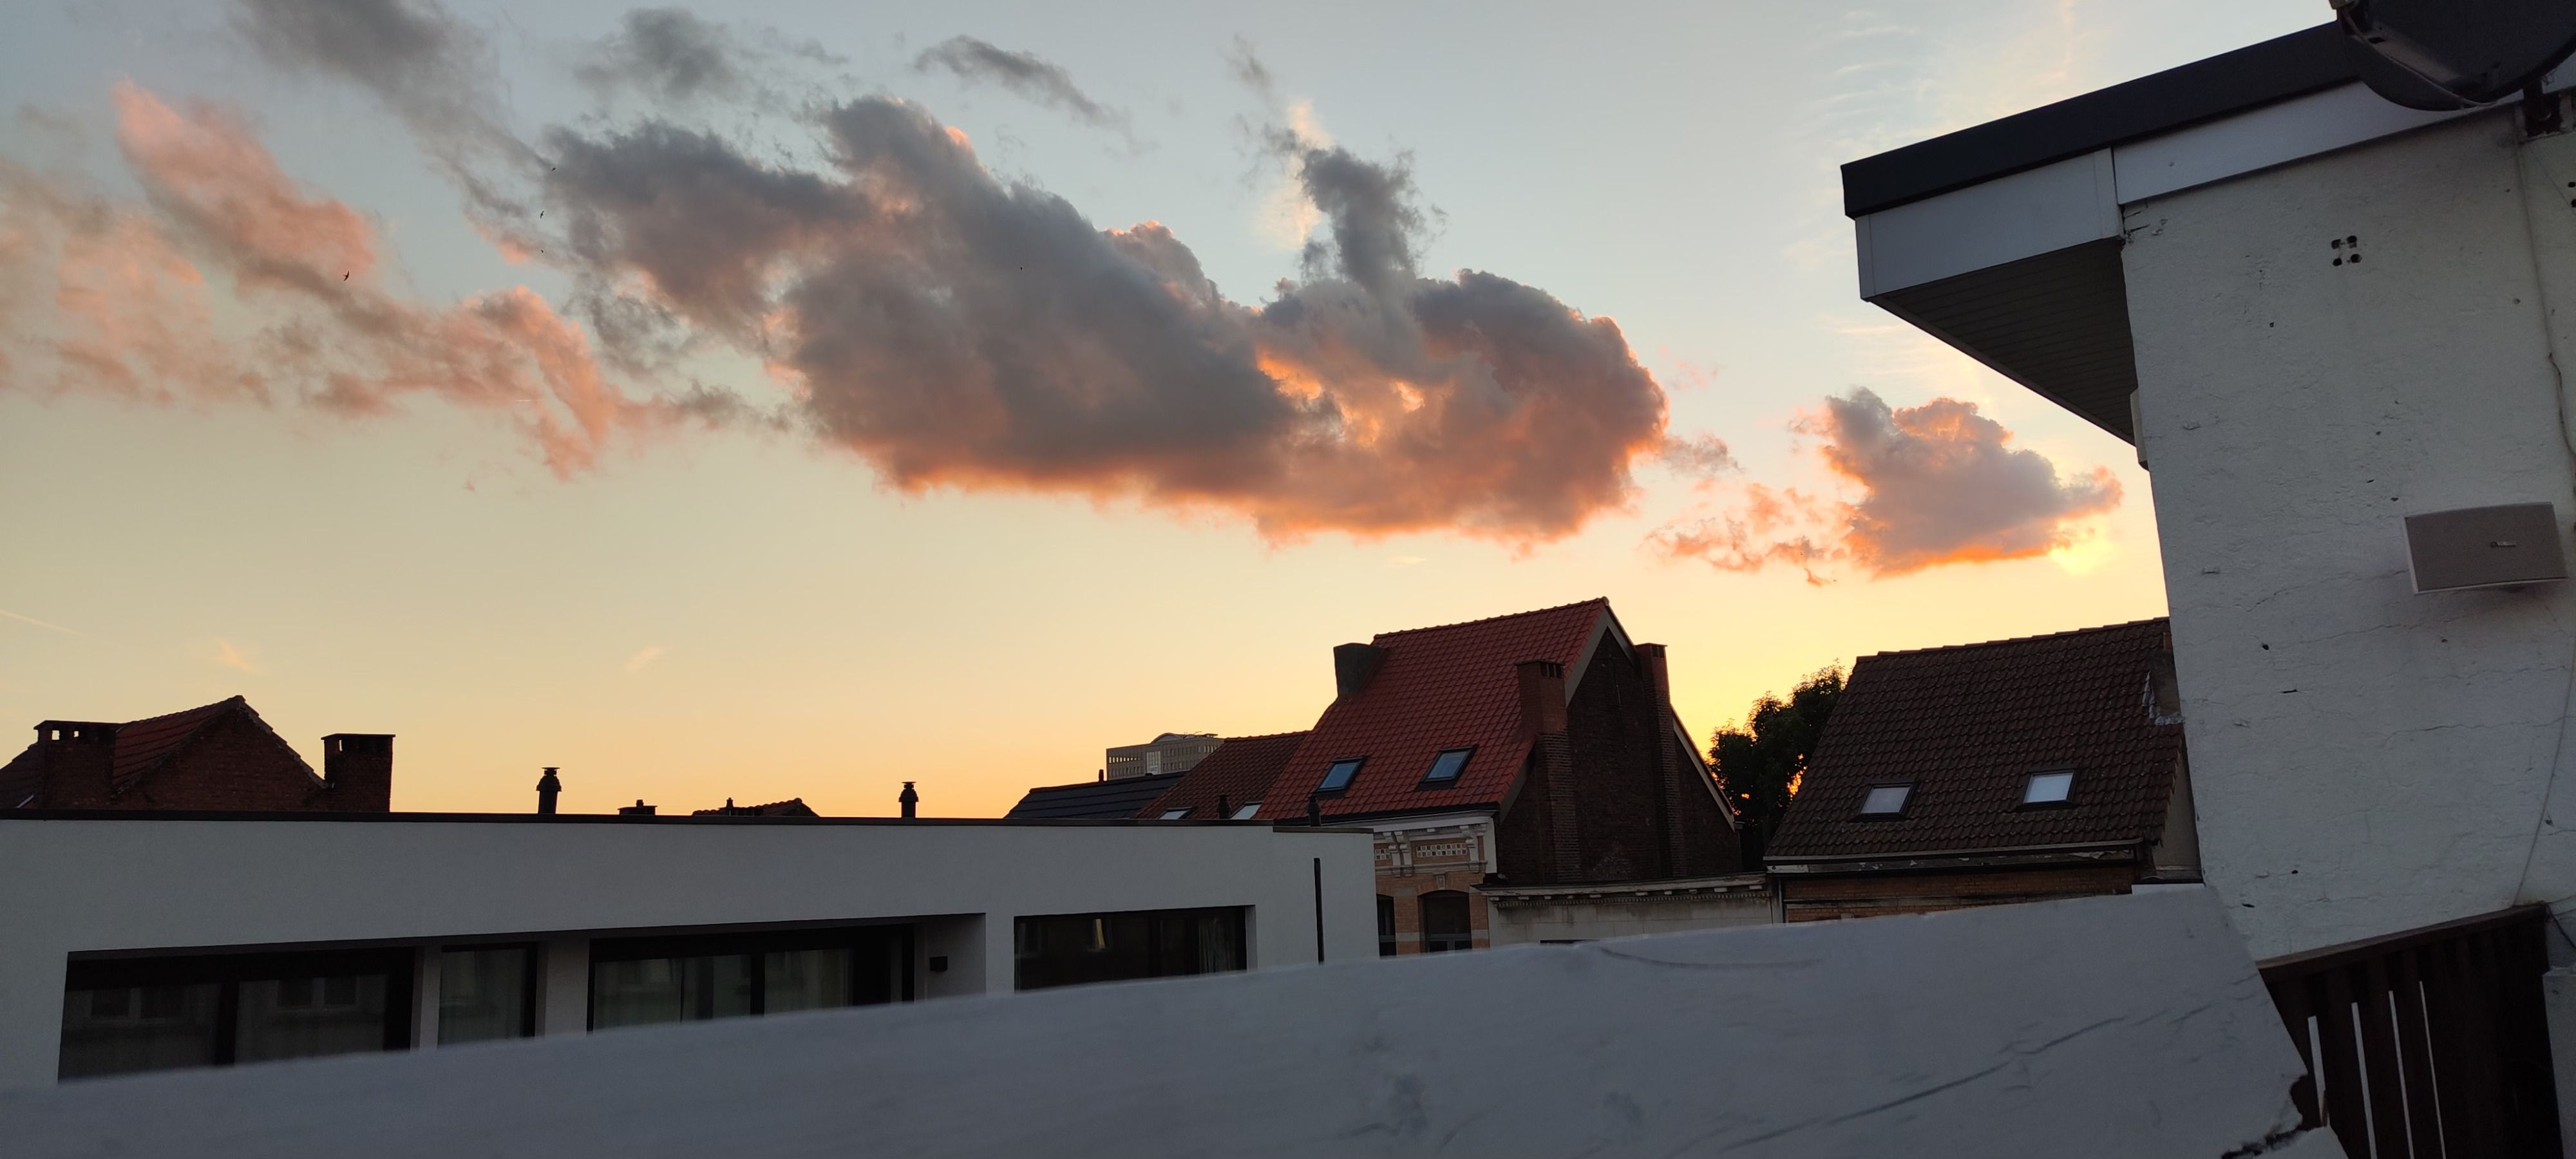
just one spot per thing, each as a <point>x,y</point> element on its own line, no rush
<point>795,399</point>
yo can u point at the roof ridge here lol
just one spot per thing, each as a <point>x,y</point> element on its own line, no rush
<point>1603,601</point>
<point>235,698</point>
<point>1265,736</point>
<point>2023,639</point>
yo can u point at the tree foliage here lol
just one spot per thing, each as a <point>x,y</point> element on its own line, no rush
<point>1759,765</point>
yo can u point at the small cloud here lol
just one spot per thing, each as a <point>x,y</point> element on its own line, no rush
<point>638,661</point>
<point>1403,560</point>
<point>4,612</point>
<point>234,658</point>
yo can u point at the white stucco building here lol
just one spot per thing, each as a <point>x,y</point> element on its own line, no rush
<point>2315,313</point>
<point>145,941</point>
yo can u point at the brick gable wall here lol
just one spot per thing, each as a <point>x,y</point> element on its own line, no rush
<point>1615,811</point>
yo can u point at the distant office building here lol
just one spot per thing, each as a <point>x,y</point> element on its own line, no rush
<point>218,757</point>
<point>1172,752</point>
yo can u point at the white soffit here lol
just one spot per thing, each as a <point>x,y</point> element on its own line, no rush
<point>2023,215</point>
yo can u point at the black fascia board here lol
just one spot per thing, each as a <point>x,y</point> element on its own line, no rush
<point>2231,82</point>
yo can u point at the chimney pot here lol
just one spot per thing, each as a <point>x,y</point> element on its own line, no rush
<point>1353,664</point>
<point>908,799</point>
<point>548,788</point>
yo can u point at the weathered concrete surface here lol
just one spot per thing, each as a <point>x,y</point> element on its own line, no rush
<point>2106,1027</point>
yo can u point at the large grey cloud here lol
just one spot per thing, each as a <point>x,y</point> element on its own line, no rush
<point>957,328</point>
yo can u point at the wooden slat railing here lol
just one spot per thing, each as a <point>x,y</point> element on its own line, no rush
<point>2429,1044</point>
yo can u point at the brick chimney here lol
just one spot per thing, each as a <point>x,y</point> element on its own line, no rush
<point>549,787</point>
<point>1353,664</point>
<point>909,799</point>
<point>1542,697</point>
<point>1650,658</point>
<point>75,756</point>
<point>359,769</point>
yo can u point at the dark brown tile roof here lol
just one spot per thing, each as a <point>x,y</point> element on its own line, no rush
<point>1115,800</point>
<point>1237,774</point>
<point>22,780</point>
<point>1968,725</point>
<point>791,807</point>
<point>1452,686</point>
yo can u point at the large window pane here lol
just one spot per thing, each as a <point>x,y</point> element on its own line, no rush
<point>309,1016</point>
<point>1385,926</point>
<point>485,994</point>
<point>684,978</point>
<point>1444,922</point>
<point>123,1015</point>
<point>806,980</point>
<point>124,1029</point>
<point>1071,949</point>
<point>647,991</point>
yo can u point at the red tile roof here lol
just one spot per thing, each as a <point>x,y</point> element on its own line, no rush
<point>1237,774</point>
<point>1437,688</point>
<point>1968,725</point>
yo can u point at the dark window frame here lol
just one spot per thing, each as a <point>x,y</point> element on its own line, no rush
<point>1467,757</point>
<point>1903,807</point>
<point>227,973</point>
<point>754,944</point>
<point>1385,926</point>
<point>1326,787</point>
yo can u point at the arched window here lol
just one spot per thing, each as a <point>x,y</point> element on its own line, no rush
<point>1444,922</point>
<point>1385,926</point>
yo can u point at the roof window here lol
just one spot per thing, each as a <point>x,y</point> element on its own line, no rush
<point>1886,800</point>
<point>2048,788</point>
<point>1339,776</point>
<point>1175,814</point>
<point>1446,767</point>
<point>1245,813</point>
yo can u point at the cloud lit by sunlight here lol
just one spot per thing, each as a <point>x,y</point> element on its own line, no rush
<point>230,656</point>
<point>639,661</point>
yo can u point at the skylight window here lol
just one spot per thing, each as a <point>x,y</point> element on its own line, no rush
<point>1339,776</point>
<point>1446,767</point>
<point>2049,788</point>
<point>1245,813</point>
<point>1885,800</point>
<point>1175,814</point>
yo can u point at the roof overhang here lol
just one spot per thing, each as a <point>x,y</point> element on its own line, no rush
<point>1609,891</point>
<point>2003,239</point>
<point>2088,853</point>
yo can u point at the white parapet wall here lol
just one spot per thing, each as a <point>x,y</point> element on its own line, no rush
<point>141,883</point>
<point>2105,1027</point>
